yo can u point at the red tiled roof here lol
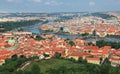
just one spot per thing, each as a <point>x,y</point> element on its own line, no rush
<point>79,54</point>
<point>112,58</point>
<point>105,52</point>
<point>91,47</point>
<point>93,59</point>
<point>107,47</point>
<point>4,52</point>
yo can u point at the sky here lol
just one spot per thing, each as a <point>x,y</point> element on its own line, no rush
<point>59,5</point>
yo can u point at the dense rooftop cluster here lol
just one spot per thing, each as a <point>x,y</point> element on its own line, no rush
<point>86,25</point>
<point>18,19</point>
<point>26,44</point>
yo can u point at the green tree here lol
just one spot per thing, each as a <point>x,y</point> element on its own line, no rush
<point>85,34</point>
<point>14,57</point>
<point>80,60</point>
<point>72,59</point>
<point>71,43</point>
<point>57,55</point>
<point>94,33</point>
<point>104,69</point>
<point>18,72</point>
<point>28,72</point>
<point>51,71</point>
<point>17,24</point>
<point>33,58</point>
<point>39,38</point>
<point>35,69</point>
<point>46,55</point>
<point>62,70</point>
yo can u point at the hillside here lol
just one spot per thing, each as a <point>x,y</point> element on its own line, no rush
<point>70,66</point>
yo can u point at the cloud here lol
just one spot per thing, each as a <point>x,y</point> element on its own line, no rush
<point>91,3</point>
<point>10,0</point>
<point>37,1</point>
<point>47,3</point>
<point>15,1</point>
<point>53,3</point>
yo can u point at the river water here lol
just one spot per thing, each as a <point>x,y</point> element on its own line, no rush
<point>35,29</point>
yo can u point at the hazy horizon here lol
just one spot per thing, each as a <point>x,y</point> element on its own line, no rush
<point>41,6</point>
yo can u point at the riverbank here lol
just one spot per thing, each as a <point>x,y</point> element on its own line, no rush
<point>11,26</point>
<point>35,29</point>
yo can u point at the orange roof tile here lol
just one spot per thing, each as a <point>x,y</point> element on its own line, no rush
<point>4,52</point>
<point>91,47</point>
<point>79,54</point>
<point>93,59</point>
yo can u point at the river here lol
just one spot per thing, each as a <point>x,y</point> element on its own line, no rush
<point>35,29</point>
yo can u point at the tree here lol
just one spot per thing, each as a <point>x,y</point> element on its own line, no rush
<point>62,70</point>
<point>22,56</point>
<point>46,55</point>
<point>6,72</point>
<point>104,69</point>
<point>102,43</point>
<point>61,28</point>
<point>39,38</point>
<point>19,72</point>
<point>8,60</point>
<point>94,33</point>
<point>57,55</point>
<point>14,57</point>
<point>101,60</point>
<point>90,43</point>
<point>85,34</point>
<point>72,59</point>
<point>71,43</point>
<point>80,60</point>
<point>17,24</point>
<point>33,58</point>
<point>28,72</point>
<point>10,67</point>
<point>35,69</point>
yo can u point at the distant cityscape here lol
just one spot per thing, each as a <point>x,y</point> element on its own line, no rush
<point>47,36</point>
